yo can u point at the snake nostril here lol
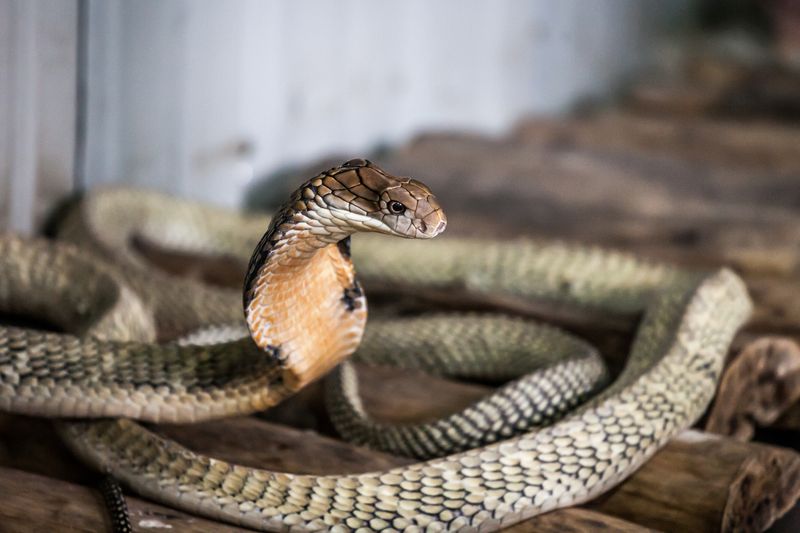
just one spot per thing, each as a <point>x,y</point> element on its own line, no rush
<point>423,227</point>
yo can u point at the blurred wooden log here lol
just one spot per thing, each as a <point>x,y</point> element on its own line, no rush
<point>758,386</point>
<point>777,305</point>
<point>32,502</point>
<point>713,84</point>
<point>761,146</point>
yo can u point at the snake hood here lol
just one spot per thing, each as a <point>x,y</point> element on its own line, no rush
<point>303,263</point>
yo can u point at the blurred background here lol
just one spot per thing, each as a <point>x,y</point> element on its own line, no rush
<point>217,100</point>
<point>668,128</point>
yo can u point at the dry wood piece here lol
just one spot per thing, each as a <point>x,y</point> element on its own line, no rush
<point>761,383</point>
<point>36,503</point>
<point>32,445</point>
<point>280,448</point>
<point>701,482</point>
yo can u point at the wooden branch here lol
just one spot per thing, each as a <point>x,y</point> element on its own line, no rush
<point>758,386</point>
<point>622,196</point>
<point>717,86</point>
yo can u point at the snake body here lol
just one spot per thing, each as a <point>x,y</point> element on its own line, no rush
<point>113,369</point>
<point>559,373</point>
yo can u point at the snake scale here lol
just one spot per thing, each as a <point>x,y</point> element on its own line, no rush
<point>306,311</point>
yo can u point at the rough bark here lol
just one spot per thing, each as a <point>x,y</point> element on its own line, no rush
<point>758,386</point>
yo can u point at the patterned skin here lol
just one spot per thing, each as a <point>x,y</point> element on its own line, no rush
<point>303,303</point>
<point>688,321</point>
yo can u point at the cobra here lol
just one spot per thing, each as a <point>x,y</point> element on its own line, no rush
<point>306,312</point>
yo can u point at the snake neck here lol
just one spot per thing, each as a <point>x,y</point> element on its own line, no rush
<point>303,304</point>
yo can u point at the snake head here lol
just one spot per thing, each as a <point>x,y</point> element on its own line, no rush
<point>362,196</point>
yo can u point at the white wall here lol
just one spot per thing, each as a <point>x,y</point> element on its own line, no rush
<point>38,42</point>
<point>198,96</point>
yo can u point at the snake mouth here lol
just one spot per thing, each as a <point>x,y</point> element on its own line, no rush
<point>427,228</point>
<point>422,228</point>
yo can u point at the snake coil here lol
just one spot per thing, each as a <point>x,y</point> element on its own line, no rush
<point>112,367</point>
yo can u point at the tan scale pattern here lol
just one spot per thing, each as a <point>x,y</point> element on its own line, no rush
<point>298,308</point>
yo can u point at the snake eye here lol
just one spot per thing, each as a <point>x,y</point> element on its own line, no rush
<point>396,207</point>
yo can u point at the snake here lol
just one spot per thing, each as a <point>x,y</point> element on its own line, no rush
<point>305,311</point>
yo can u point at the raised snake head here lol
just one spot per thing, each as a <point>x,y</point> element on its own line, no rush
<point>363,196</point>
